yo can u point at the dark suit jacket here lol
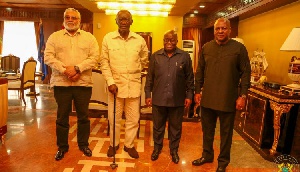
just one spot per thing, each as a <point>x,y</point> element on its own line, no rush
<point>222,69</point>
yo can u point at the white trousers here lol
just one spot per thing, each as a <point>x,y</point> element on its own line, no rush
<point>131,108</point>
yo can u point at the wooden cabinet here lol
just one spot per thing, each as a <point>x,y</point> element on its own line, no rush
<point>3,108</point>
<point>254,117</point>
<point>270,123</point>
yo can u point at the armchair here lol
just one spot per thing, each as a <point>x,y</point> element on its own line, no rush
<point>27,79</point>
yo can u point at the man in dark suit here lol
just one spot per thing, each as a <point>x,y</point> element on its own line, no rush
<point>223,67</point>
<point>170,79</point>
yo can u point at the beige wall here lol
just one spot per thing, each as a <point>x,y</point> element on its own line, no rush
<point>156,25</point>
<point>268,32</point>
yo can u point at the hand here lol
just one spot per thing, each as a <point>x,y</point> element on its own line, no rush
<point>148,102</point>
<point>240,103</point>
<point>187,103</point>
<point>75,77</point>
<point>70,71</point>
<point>113,89</point>
<point>197,98</point>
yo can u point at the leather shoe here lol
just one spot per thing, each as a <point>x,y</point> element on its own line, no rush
<point>132,152</point>
<point>111,152</point>
<point>86,151</point>
<point>155,154</point>
<point>175,157</point>
<point>201,161</point>
<point>59,155</point>
<point>221,169</point>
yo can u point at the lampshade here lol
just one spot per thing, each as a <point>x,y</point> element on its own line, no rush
<point>292,42</point>
<point>239,40</point>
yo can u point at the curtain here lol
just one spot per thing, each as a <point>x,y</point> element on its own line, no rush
<point>193,34</point>
<point>19,39</point>
<point>37,33</point>
<point>1,35</point>
<point>87,27</point>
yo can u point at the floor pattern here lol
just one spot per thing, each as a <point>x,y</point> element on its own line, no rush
<point>31,145</point>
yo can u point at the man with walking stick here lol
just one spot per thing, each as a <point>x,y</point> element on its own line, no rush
<point>124,55</point>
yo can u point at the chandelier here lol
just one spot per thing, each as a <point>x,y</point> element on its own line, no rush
<point>137,7</point>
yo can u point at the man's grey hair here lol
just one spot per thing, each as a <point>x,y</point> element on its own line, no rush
<point>124,11</point>
<point>223,19</point>
<point>72,9</point>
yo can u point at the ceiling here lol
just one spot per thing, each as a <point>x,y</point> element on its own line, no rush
<point>181,7</point>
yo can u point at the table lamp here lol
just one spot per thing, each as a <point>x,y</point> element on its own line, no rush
<point>292,43</point>
<point>239,40</point>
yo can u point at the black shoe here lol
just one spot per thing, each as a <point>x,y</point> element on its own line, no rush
<point>201,161</point>
<point>132,152</point>
<point>111,152</point>
<point>175,157</point>
<point>155,154</point>
<point>221,169</point>
<point>86,151</point>
<point>59,155</point>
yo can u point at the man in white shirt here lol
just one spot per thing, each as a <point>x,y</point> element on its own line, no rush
<point>72,53</point>
<point>124,55</point>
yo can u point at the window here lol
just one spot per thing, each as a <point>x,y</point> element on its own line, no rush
<point>19,39</point>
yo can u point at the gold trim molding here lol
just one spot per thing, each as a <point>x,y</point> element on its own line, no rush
<point>274,98</point>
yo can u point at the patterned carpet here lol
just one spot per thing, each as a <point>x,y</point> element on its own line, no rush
<point>31,145</point>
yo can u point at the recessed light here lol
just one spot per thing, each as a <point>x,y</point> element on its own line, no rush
<point>202,6</point>
<point>196,11</point>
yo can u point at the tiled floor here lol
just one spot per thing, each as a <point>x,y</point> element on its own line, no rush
<point>31,145</point>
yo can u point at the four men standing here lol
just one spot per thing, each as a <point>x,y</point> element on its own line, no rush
<point>223,68</point>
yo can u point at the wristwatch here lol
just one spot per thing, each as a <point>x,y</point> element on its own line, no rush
<point>243,96</point>
<point>77,69</point>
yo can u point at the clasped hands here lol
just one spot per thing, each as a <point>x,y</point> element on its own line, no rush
<point>71,73</point>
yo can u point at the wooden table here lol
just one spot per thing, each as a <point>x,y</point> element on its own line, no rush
<point>271,122</point>
<point>3,107</point>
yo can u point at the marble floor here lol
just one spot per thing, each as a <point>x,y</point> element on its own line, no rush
<point>30,145</point>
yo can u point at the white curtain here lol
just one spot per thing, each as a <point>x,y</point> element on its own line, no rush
<point>19,39</point>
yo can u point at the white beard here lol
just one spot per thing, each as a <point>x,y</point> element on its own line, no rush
<point>72,27</point>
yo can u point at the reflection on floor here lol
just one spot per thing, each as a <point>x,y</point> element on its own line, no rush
<point>31,145</point>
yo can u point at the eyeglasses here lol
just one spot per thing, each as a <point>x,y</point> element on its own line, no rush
<point>126,20</point>
<point>170,40</point>
<point>71,17</point>
<point>221,28</point>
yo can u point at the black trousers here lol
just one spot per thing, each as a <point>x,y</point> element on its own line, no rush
<point>160,114</point>
<point>208,121</point>
<point>64,97</point>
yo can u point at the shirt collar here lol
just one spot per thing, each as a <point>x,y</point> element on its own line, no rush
<point>116,34</point>
<point>77,32</point>
<point>162,51</point>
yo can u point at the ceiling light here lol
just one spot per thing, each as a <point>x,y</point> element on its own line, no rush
<point>139,13</point>
<point>196,11</point>
<point>137,7</point>
<point>202,6</point>
<point>134,6</point>
<point>140,1</point>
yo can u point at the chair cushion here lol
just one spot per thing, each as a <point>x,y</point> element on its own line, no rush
<point>14,84</point>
